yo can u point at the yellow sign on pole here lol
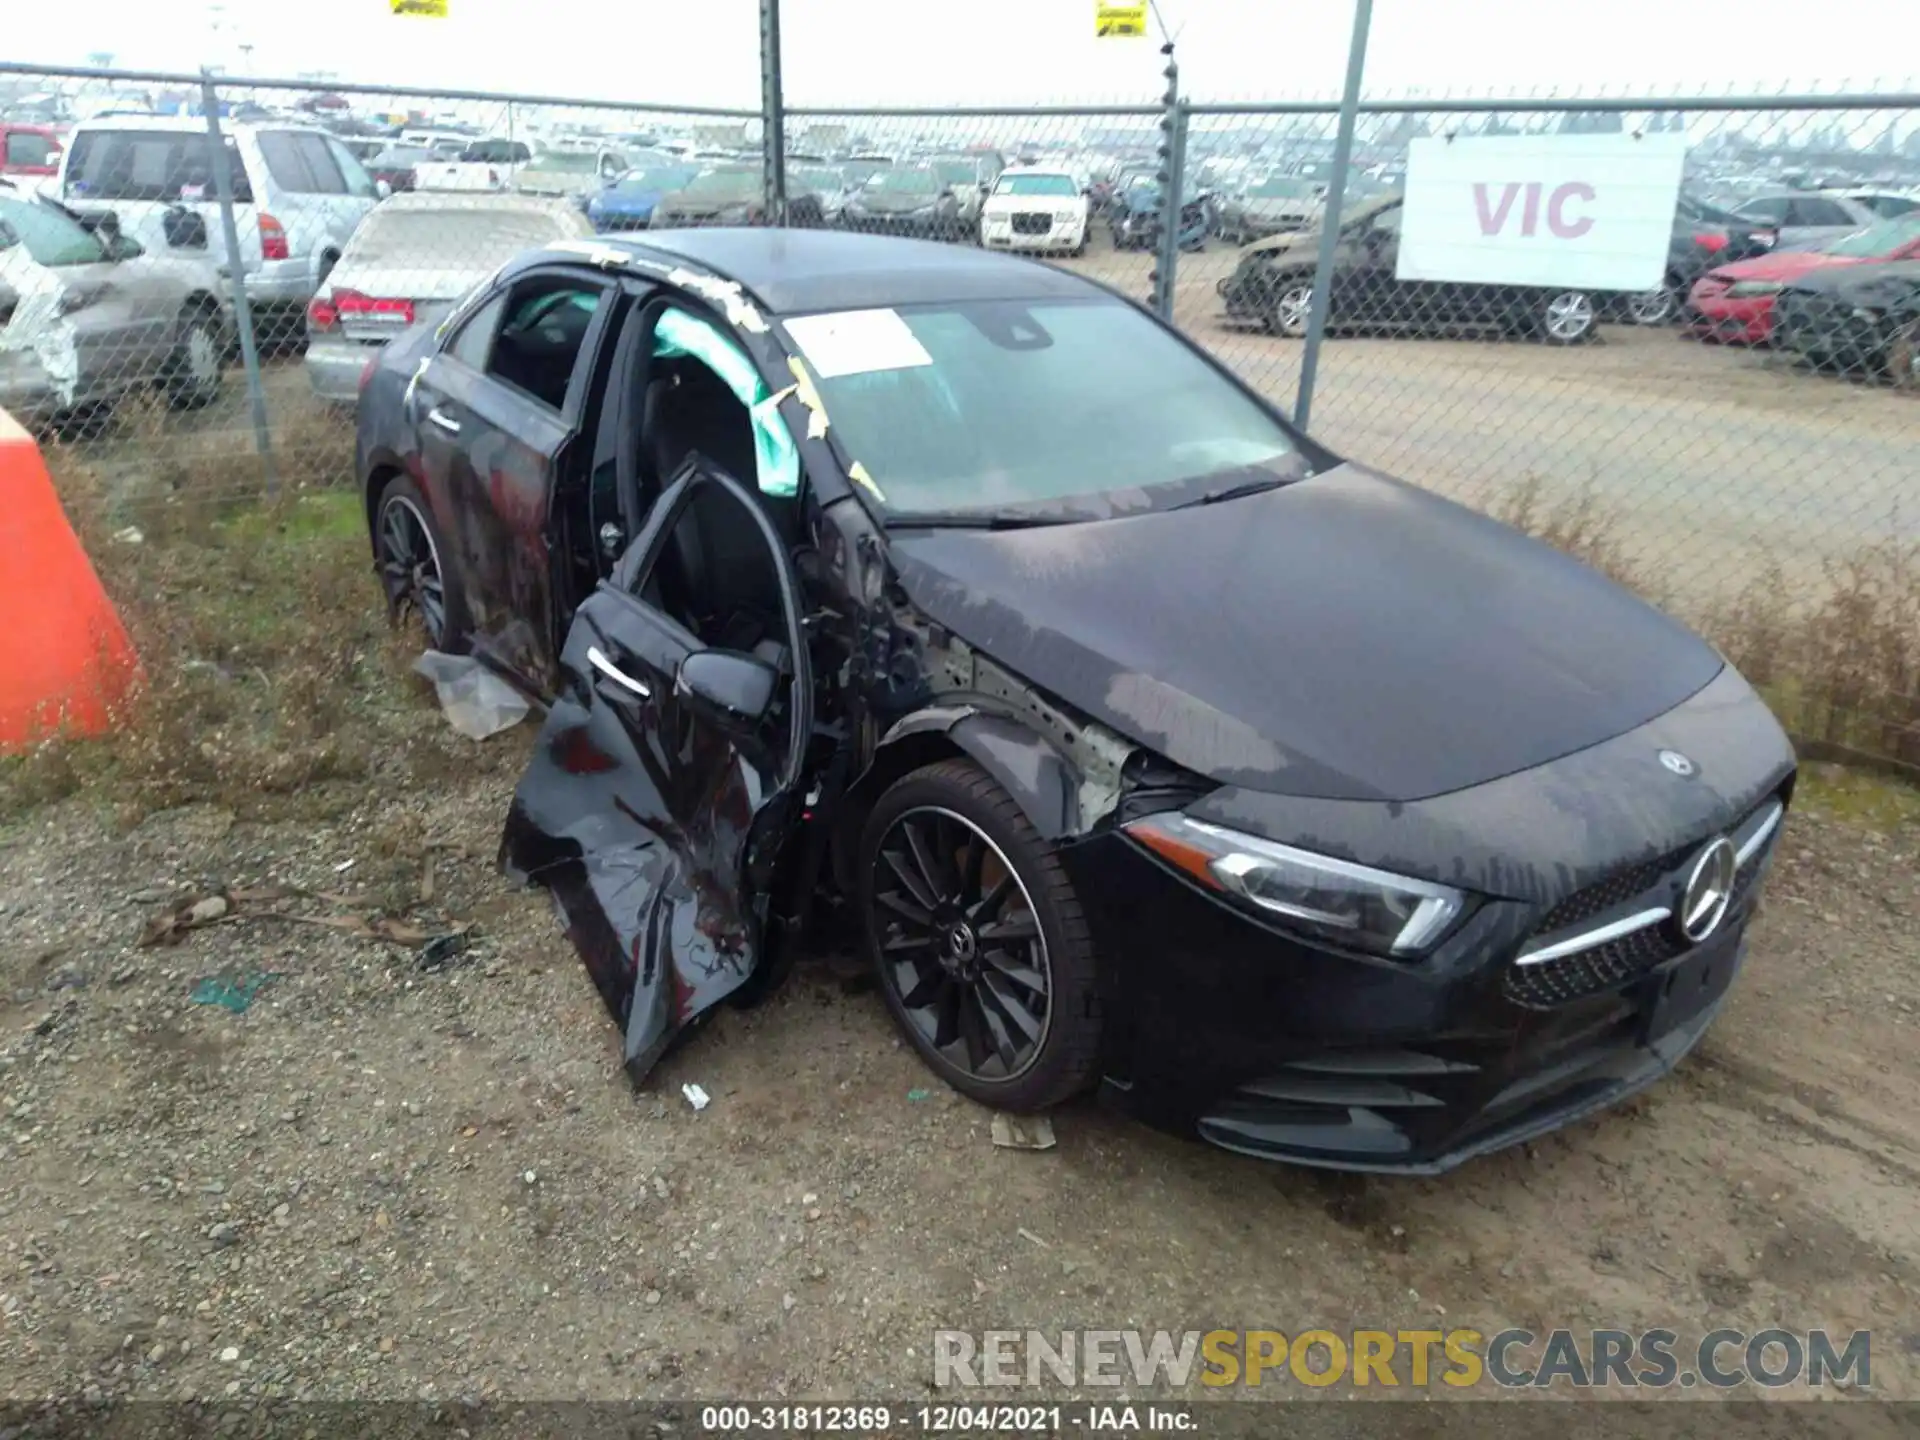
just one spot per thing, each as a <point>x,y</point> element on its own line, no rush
<point>1110,20</point>
<point>434,8</point>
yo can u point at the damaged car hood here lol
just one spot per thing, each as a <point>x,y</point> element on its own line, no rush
<point>1344,637</point>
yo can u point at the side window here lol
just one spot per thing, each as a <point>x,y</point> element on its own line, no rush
<point>1387,222</point>
<point>541,339</point>
<point>1772,209</point>
<point>474,341</point>
<point>148,165</point>
<point>1816,211</point>
<point>353,174</point>
<point>325,170</point>
<point>286,162</point>
<point>714,574</point>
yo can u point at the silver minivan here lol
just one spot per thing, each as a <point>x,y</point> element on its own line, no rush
<point>299,193</point>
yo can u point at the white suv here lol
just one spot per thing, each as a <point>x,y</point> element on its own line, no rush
<point>298,194</point>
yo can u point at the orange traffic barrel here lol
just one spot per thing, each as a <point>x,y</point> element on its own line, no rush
<point>66,664</point>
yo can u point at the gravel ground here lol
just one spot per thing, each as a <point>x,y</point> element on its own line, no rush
<point>389,1181</point>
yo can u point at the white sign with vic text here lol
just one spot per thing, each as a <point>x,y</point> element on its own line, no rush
<point>1591,212</point>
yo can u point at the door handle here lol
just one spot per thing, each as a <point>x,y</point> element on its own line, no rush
<point>614,673</point>
<point>445,421</point>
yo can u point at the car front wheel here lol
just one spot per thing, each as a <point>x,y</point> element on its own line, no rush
<point>979,943</point>
<point>194,375</point>
<point>1566,317</point>
<point>1903,359</point>
<point>1290,309</point>
<point>1653,307</point>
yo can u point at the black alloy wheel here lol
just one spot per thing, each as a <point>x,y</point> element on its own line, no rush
<point>409,550</point>
<point>981,950</point>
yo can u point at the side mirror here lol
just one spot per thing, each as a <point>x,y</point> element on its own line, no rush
<point>124,247</point>
<point>735,688</point>
<point>106,229</point>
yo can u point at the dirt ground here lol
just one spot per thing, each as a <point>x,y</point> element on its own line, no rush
<point>389,1180</point>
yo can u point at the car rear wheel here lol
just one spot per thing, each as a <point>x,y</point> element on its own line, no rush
<point>1903,359</point>
<point>409,548</point>
<point>979,943</point>
<point>1566,317</point>
<point>193,379</point>
<point>1653,307</point>
<point>1290,308</point>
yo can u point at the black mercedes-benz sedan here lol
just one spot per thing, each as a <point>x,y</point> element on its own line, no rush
<point>1143,743</point>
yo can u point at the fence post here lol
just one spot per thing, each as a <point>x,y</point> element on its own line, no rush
<point>773,113</point>
<point>237,277</point>
<point>1173,144</point>
<point>1330,215</point>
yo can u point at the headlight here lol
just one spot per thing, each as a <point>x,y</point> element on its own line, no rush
<point>1333,899</point>
<point>1861,312</point>
<point>1749,289</point>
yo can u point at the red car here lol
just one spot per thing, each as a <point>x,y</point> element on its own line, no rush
<point>1735,302</point>
<point>29,149</point>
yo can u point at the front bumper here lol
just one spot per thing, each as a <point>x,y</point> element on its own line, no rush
<point>1265,1043</point>
<point>1747,321</point>
<point>1060,238</point>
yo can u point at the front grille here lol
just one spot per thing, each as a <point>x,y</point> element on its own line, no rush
<point>1031,222</point>
<point>1588,972</point>
<point>1617,962</point>
<point>1616,890</point>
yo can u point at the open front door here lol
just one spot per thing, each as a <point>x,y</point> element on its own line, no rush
<point>664,780</point>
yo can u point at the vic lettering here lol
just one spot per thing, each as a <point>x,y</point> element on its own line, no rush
<point>1493,217</point>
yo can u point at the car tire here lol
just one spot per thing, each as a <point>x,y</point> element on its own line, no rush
<point>199,360</point>
<point>1903,359</point>
<point>954,981</point>
<point>1289,308</point>
<point>1657,306</point>
<point>1080,248</point>
<point>1565,317</point>
<point>402,516</point>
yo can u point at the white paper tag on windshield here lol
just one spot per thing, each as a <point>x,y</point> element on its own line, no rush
<point>857,342</point>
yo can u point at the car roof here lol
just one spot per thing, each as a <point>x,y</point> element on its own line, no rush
<point>798,272</point>
<point>195,123</point>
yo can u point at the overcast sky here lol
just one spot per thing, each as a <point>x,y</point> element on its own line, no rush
<point>997,51</point>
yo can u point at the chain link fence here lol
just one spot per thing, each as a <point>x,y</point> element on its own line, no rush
<point>1738,443</point>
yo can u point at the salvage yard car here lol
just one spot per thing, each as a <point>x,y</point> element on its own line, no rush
<point>1272,287</point>
<point>1037,210</point>
<point>410,262</point>
<point>1736,302</point>
<point>1147,743</point>
<point>1855,318</point>
<point>86,316</point>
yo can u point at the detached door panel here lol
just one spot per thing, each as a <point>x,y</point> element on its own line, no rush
<point>644,813</point>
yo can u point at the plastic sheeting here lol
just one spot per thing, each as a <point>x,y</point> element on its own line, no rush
<point>775,456</point>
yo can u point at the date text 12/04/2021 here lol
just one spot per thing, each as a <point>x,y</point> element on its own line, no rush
<point>1091,1419</point>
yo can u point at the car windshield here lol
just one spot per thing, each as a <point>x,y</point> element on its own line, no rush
<point>905,182</point>
<point>656,179</point>
<point>1068,409</point>
<point>860,171</point>
<point>49,237</point>
<point>1036,185</point>
<point>1878,240</point>
<point>817,180</point>
<point>736,184</point>
<point>1285,188</point>
<point>957,172</point>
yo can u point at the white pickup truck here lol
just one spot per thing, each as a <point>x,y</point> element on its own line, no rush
<point>483,165</point>
<point>491,165</point>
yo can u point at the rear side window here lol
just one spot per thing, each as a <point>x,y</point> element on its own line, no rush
<point>539,345</point>
<point>301,163</point>
<point>1773,208</point>
<point>162,165</point>
<point>474,342</point>
<point>26,148</point>
<point>1816,211</point>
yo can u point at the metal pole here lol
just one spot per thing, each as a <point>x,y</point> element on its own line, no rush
<point>773,120</point>
<point>1330,216</point>
<point>237,277</point>
<point>1167,242</point>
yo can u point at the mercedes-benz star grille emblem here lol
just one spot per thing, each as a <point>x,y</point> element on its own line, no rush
<point>1676,762</point>
<point>1708,892</point>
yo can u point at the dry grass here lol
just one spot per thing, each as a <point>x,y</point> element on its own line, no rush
<point>1840,667</point>
<point>272,679</point>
